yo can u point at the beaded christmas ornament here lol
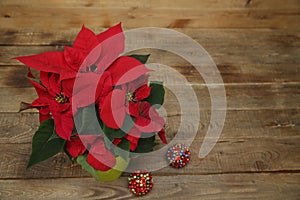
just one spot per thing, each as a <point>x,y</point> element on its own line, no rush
<point>140,183</point>
<point>178,155</point>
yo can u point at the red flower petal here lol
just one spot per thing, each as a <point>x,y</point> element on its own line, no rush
<point>75,147</point>
<point>133,109</point>
<point>162,136</point>
<point>38,87</point>
<point>102,54</point>
<point>100,158</point>
<point>87,139</point>
<point>52,83</point>
<point>95,161</point>
<point>85,52</point>
<point>117,141</point>
<point>110,32</point>
<point>48,62</point>
<point>104,88</point>
<point>67,87</point>
<point>94,57</point>
<point>86,40</point>
<point>74,58</point>
<point>157,122</point>
<point>43,118</point>
<point>133,85</point>
<point>53,86</point>
<point>126,69</point>
<point>40,102</point>
<point>142,93</point>
<point>44,110</point>
<point>41,92</point>
<point>144,108</point>
<point>148,120</point>
<point>84,90</point>
<point>133,137</point>
<point>63,120</point>
<point>141,121</point>
<point>112,111</point>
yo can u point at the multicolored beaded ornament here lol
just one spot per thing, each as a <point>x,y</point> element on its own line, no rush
<point>178,155</point>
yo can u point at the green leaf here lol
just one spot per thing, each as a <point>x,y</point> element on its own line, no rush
<point>128,123</point>
<point>35,80</point>
<point>124,145</point>
<point>81,159</point>
<point>146,144</point>
<point>142,58</point>
<point>45,143</point>
<point>157,94</point>
<point>104,176</point>
<point>111,134</point>
<point>108,143</point>
<point>89,121</point>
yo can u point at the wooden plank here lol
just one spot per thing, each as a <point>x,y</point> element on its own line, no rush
<point>239,55</point>
<point>227,156</point>
<point>166,4</point>
<point>17,128</point>
<point>226,186</point>
<point>14,76</point>
<point>17,16</point>
<point>239,97</point>
<point>232,74</point>
<point>206,37</point>
<point>17,95</point>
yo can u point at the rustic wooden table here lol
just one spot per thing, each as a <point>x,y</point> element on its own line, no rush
<point>255,44</point>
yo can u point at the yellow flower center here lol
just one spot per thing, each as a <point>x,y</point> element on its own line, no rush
<point>61,98</point>
<point>130,97</point>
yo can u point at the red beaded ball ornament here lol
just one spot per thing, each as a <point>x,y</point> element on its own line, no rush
<point>140,183</point>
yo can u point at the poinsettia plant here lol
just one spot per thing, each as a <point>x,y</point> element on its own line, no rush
<point>91,100</point>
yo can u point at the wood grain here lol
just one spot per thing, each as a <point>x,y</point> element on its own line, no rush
<point>19,128</point>
<point>135,16</point>
<point>255,45</point>
<point>274,59</point>
<point>167,4</point>
<point>239,97</point>
<point>232,74</point>
<point>227,186</point>
<point>229,155</point>
<point>206,37</point>
<point>221,55</point>
<point>236,60</point>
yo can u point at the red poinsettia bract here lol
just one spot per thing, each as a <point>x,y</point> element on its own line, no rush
<point>98,156</point>
<point>92,73</point>
<point>59,70</point>
<point>75,147</point>
<point>130,99</point>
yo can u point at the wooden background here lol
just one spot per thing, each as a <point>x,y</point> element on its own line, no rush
<point>255,44</point>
